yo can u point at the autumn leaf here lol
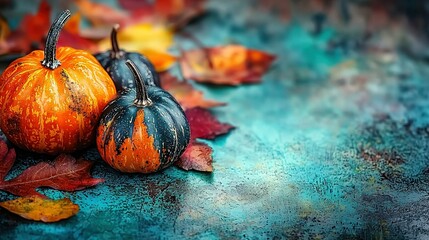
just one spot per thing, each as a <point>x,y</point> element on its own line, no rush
<point>185,93</point>
<point>41,209</point>
<point>176,13</point>
<point>179,12</point>
<point>149,40</point>
<point>7,159</point>
<point>4,29</point>
<point>204,125</point>
<point>71,36</point>
<point>132,5</point>
<point>141,37</point>
<point>36,26</point>
<point>29,34</point>
<point>73,24</point>
<point>197,156</point>
<point>225,65</point>
<point>95,33</point>
<point>68,39</point>
<point>101,14</point>
<point>161,60</point>
<point>66,173</point>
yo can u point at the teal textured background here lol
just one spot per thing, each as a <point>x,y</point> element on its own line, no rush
<point>313,156</point>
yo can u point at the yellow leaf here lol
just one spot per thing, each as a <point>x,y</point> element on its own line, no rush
<point>141,37</point>
<point>161,61</point>
<point>41,209</point>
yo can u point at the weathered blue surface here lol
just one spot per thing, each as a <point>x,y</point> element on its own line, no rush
<point>315,155</point>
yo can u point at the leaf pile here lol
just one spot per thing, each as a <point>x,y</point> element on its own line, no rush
<point>66,173</point>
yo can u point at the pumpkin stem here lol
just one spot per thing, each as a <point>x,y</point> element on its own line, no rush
<point>116,51</point>
<point>142,98</point>
<point>50,60</point>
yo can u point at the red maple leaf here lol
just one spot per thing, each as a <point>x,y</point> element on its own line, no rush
<point>204,125</point>
<point>66,173</point>
<point>36,26</point>
<point>197,156</point>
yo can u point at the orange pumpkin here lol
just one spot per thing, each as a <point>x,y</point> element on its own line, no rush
<point>53,106</point>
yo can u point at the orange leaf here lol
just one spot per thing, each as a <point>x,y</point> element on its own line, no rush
<point>225,65</point>
<point>170,7</point>
<point>197,156</point>
<point>4,29</point>
<point>41,209</point>
<point>101,14</point>
<point>73,24</point>
<point>161,61</point>
<point>171,12</point>
<point>184,92</point>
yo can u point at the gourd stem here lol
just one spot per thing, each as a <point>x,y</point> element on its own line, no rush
<point>142,98</point>
<point>116,51</point>
<point>50,60</point>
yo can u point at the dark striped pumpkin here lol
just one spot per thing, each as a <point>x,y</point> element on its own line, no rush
<point>113,61</point>
<point>143,130</point>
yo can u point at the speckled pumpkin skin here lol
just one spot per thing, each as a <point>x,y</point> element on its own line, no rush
<point>53,111</point>
<point>121,75</point>
<point>137,139</point>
